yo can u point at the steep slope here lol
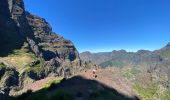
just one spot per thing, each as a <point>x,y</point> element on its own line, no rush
<point>164,53</point>
<point>8,26</point>
<point>29,50</point>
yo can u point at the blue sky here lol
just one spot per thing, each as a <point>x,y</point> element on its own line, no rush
<point>106,25</point>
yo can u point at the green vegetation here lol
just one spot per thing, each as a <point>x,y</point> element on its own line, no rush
<point>37,70</point>
<point>45,95</point>
<point>166,95</point>
<point>56,81</point>
<point>21,53</point>
<point>88,64</point>
<point>128,75</point>
<point>112,64</point>
<point>164,53</point>
<point>131,73</point>
<point>147,92</point>
<point>135,71</point>
<point>24,61</point>
<point>2,65</point>
<point>20,59</point>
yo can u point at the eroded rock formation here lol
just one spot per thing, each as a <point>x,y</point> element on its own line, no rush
<point>46,53</point>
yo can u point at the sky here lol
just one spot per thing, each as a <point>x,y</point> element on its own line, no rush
<point>106,25</point>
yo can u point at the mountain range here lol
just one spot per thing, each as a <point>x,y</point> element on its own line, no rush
<point>148,71</point>
<point>123,58</point>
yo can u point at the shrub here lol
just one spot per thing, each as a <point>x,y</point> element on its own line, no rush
<point>147,92</point>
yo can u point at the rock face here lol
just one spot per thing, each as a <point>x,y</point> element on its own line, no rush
<point>21,31</point>
<point>9,78</point>
<point>8,27</point>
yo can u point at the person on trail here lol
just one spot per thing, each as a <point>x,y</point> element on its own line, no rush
<point>94,72</point>
<point>95,76</point>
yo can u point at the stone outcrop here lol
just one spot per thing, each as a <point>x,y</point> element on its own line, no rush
<point>8,26</point>
<point>20,30</point>
<point>9,78</point>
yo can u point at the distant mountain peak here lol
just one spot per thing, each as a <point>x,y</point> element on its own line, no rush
<point>168,45</point>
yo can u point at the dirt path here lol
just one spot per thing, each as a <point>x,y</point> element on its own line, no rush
<point>40,84</point>
<point>111,79</point>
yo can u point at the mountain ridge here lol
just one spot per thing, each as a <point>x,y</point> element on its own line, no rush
<point>30,50</point>
<point>88,56</point>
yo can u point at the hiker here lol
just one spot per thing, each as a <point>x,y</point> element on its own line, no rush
<point>94,72</point>
<point>96,67</point>
<point>95,76</point>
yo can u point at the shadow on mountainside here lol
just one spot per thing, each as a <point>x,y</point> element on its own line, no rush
<point>9,32</point>
<point>75,88</point>
<point>14,30</point>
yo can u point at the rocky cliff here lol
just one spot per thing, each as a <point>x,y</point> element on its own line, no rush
<point>30,50</point>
